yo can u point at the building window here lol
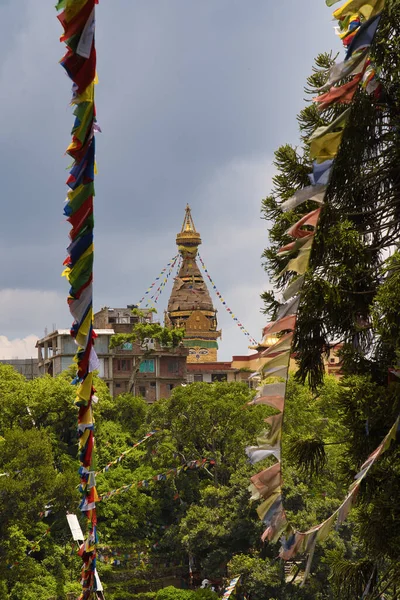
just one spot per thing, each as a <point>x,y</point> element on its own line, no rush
<point>170,386</point>
<point>127,346</point>
<point>152,384</point>
<point>118,385</point>
<point>124,364</point>
<point>142,391</point>
<point>332,360</point>
<point>198,378</point>
<point>219,377</point>
<point>173,366</point>
<point>147,366</point>
<point>112,320</point>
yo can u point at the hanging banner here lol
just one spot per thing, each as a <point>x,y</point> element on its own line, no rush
<point>75,528</point>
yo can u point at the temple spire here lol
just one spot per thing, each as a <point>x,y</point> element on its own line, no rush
<point>190,306</point>
<point>188,240</point>
<point>188,224</point>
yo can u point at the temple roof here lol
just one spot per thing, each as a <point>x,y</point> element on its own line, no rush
<point>189,291</point>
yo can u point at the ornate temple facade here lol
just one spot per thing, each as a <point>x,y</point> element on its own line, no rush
<point>190,306</point>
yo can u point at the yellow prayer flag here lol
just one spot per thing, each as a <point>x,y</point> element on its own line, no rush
<point>325,147</point>
<point>73,145</point>
<point>84,390</point>
<point>325,528</point>
<point>84,438</point>
<point>300,263</point>
<point>282,360</point>
<point>83,331</point>
<point>337,125</point>
<point>266,505</point>
<point>87,253</point>
<point>86,96</point>
<point>366,8</point>
<point>72,7</point>
<point>390,436</point>
<point>66,273</point>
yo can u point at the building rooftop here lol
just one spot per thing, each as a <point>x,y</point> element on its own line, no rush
<point>53,334</point>
<point>210,366</point>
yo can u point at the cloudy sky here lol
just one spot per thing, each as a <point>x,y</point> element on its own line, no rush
<point>194,97</point>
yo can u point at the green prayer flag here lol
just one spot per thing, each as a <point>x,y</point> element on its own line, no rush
<point>338,124</point>
<point>83,194</point>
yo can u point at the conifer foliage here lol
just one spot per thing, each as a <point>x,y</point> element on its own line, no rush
<point>351,296</point>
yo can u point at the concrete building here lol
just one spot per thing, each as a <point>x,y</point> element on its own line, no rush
<point>119,319</point>
<point>28,367</point>
<point>151,371</point>
<point>216,371</point>
<point>56,352</point>
<point>241,368</point>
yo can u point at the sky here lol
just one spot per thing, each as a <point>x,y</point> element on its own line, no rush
<point>193,99</point>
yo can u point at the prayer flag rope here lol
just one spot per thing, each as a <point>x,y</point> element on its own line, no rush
<point>358,22</point>
<point>237,321</point>
<point>35,546</point>
<point>117,559</point>
<point>160,289</point>
<point>120,458</point>
<point>170,265</point>
<point>192,465</point>
<point>78,21</point>
<point>48,508</point>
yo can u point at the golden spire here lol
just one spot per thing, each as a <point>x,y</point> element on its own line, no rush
<point>188,224</point>
<point>188,239</point>
<point>190,306</point>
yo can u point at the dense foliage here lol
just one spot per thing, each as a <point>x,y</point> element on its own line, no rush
<point>203,518</point>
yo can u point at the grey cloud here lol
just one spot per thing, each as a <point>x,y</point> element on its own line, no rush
<point>188,90</point>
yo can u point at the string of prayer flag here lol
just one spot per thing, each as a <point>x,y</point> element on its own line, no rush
<point>228,310</point>
<point>358,23</point>
<point>164,282</point>
<point>191,465</point>
<point>161,278</point>
<point>78,21</point>
<point>35,545</point>
<point>125,453</point>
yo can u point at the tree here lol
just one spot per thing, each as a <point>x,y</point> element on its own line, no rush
<point>350,295</point>
<point>206,514</point>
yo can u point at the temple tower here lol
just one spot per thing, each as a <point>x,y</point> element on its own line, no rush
<point>190,306</point>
